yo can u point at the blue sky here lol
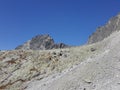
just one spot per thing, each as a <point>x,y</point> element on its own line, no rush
<point>67,21</point>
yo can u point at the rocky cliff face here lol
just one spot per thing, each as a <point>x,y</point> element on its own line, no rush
<point>104,31</point>
<point>41,42</point>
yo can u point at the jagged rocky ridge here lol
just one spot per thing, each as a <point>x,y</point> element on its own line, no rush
<point>104,31</point>
<point>41,42</point>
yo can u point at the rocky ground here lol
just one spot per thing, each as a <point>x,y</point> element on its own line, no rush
<point>100,71</point>
<point>18,68</point>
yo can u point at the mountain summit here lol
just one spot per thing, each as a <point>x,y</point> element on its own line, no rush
<point>104,31</point>
<point>41,42</point>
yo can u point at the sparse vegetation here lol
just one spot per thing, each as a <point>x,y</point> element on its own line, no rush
<point>26,65</point>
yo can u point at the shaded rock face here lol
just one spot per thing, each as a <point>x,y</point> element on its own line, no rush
<point>104,31</point>
<point>41,42</point>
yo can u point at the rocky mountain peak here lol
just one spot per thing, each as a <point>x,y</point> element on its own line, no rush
<point>41,42</point>
<point>104,31</point>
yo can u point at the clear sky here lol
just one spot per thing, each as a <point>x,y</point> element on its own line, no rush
<point>67,21</point>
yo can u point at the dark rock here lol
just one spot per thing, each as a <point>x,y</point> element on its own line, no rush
<point>41,42</point>
<point>92,49</point>
<point>19,47</point>
<point>54,53</point>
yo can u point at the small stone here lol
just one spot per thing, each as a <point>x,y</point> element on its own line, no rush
<point>92,49</point>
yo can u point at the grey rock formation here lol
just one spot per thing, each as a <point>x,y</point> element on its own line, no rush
<point>104,31</point>
<point>41,42</point>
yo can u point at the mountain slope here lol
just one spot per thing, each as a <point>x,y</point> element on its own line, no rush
<point>21,67</point>
<point>99,72</point>
<point>89,67</point>
<point>104,31</point>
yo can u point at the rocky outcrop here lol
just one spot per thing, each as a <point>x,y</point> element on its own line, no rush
<point>104,31</point>
<point>41,42</point>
